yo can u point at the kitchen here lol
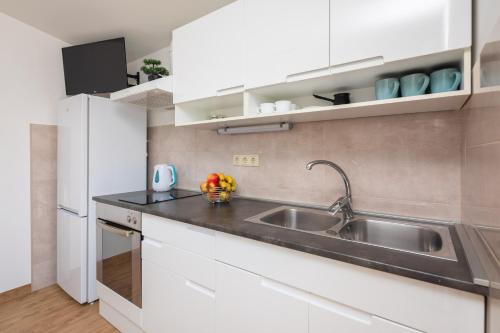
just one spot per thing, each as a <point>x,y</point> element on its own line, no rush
<point>333,161</point>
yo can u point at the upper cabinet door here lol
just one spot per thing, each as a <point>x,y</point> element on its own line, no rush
<point>285,40</point>
<point>207,54</point>
<point>486,24</point>
<point>389,30</point>
<point>229,52</point>
<point>193,60</point>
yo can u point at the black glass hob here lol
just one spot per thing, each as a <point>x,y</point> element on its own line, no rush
<point>147,198</point>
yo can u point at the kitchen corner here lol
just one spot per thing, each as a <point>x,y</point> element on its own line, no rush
<point>250,166</point>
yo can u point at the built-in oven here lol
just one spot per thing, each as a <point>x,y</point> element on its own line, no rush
<point>119,251</point>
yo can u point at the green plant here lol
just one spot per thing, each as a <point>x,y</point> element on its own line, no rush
<point>152,67</point>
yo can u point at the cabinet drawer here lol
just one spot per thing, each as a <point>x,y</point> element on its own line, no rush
<point>193,267</point>
<point>172,303</point>
<point>181,235</point>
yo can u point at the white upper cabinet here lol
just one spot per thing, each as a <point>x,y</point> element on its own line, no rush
<point>486,24</point>
<point>368,31</point>
<point>208,55</point>
<point>285,40</point>
<point>229,53</point>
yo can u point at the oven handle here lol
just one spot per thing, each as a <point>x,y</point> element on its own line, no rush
<point>117,231</point>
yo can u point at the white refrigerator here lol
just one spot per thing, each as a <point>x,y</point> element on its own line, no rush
<point>101,149</point>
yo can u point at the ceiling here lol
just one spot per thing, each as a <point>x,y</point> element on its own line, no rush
<point>146,24</point>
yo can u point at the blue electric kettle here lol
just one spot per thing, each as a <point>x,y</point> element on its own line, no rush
<point>164,177</point>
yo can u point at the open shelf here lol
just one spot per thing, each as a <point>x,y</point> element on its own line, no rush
<point>425,103</point>
<point>201,111</point>
<point>153,94</point>
<point>242,109</point>
<point>486,77</point>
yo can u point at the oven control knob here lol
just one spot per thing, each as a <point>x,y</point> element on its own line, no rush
<point>134,220</point>
<point>128,218</point>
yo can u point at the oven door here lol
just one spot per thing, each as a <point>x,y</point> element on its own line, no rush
<point>119,260</point>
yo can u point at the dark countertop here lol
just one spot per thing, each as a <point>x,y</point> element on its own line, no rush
<point>230,218</point>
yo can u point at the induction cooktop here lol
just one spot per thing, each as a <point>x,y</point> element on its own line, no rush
<point>147,198</point>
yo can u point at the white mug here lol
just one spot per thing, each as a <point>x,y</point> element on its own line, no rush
<point>283,106</point>
<point>266,107</point>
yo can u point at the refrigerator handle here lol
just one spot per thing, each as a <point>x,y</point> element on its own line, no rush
<point>69,210</point>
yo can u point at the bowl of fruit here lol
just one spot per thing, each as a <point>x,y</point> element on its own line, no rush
<point>218,187</point>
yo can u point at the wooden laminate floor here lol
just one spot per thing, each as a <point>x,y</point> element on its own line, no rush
<point>51,310</point>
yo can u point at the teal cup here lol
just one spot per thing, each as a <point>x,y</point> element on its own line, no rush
<point>447,79</point>
<point>387,88</point>
<point>414,84</point>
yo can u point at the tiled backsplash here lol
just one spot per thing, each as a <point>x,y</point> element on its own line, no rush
<point>407,164</point>
<point>43,165</point>
<point>481,167</point>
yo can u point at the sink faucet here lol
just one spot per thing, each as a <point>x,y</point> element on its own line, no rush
<point>342,204</point>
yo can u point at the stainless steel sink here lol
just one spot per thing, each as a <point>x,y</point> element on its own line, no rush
<point>421,237</point>
<point>394,235</point>
<point>303,219</point>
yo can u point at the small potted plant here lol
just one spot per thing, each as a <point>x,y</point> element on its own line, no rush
<point>153,69</point>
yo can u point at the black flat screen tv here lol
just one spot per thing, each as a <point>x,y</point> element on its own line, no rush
<point>93,68</point>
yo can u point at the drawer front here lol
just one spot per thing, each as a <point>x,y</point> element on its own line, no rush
<point>193,267</point>
<point>171,303</point>
<point>191,238</point>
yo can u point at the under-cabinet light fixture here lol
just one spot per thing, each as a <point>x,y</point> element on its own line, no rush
<point>255,129</point>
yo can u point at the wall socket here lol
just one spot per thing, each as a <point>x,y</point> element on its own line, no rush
<point>251,160</point>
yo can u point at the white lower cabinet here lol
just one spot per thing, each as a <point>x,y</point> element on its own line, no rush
<point>195,281</point>
<point>174,304</point>
<point>249,303</point>
<point>245,304</point>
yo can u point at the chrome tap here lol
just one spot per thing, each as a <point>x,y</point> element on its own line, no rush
<point>342,204</point>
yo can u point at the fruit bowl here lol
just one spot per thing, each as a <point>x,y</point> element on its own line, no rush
<point>217,187</point>
<point>218,195</point>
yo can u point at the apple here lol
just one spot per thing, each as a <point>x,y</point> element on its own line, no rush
<point>213,178</point>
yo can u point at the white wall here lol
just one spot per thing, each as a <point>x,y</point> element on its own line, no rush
<point>31,83</point>
<point>158,117</point>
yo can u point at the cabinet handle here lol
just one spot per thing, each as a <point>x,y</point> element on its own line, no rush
<point>308,74</point>
<point>200,288</point>
<point>285,290</point>
<point>357,64</point>
<point>317,301</point>
<point>201,230</point>
<point>230,90</point>
<point>152,242</point>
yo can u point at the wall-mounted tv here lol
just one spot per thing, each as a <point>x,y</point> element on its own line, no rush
<point>99,67</point>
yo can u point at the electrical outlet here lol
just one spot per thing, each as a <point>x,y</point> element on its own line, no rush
<point>251,160</point>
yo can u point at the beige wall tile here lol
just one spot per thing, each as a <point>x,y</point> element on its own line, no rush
<point>481,166</point>
<point>45,276</point>
<point>482,126</point>
<point>408,164</point>
<point>43,164</point>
